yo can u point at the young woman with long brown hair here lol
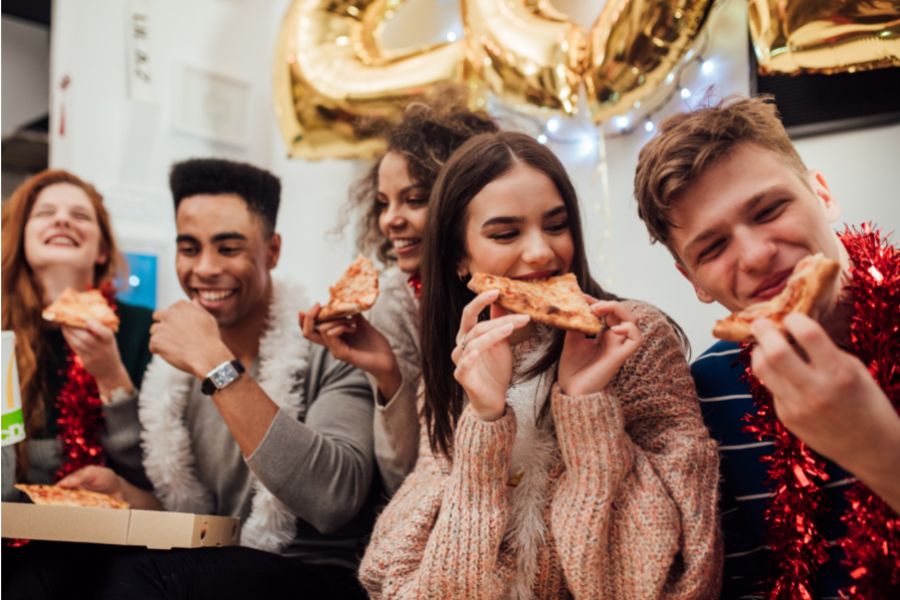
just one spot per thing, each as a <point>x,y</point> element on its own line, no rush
<point>393,200</point>
<point>555,465</point>
<point>78,385</point>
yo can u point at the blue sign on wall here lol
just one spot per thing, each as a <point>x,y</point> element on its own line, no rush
<point>140,289</point>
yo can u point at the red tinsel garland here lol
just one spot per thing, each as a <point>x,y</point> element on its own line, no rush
<point>872,543</point>
<point>80,414</point>
<point>415,282</point>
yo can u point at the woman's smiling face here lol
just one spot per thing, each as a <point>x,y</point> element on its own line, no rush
<point>518,226</point>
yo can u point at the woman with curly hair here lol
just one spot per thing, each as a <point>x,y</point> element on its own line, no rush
<point>393,198</point>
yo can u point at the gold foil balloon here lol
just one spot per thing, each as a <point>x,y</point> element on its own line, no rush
<point>825,36</point>
<point>331,71</point>
<point>634,45</point>
<point>525,52</point>
<point>533,57</point>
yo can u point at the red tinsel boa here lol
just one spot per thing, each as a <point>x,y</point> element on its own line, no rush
<point>871,545</point>
<point>80,414</point>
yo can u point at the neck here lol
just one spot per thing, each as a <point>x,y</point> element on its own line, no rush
<point>242,338</point>
<point>55,279</point>
<point>522,334</point>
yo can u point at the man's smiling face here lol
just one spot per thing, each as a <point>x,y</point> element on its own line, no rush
<point>745,222</point>
<point>224,256</point>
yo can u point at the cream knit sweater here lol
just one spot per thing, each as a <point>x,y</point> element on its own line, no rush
<point>631,508</point>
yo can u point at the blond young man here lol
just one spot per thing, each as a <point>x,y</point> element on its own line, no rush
<point>727,193</point>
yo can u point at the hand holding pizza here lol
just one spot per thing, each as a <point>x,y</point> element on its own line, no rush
<point>95,479</point>
<point>105,481</point>
<point>354,340</point>
<point>96,347</point>
<point>827,397</point>
<point>483,357</point>
<point>588,364</point>
<point>187,337</point>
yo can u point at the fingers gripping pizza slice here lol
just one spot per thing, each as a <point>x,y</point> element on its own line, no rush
<point>557,301</point>
<point>804,292</point>
<point>53,495</point>
<point>75,308</point>
<point>354,293</point>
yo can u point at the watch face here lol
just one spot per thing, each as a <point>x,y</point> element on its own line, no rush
<point>224,376</point>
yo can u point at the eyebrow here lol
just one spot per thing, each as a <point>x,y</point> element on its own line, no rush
<point>516,220</point>
<point>405,190</point>
<point>219,237</point>
<point>712,232</point>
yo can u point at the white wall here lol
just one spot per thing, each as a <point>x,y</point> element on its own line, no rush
<point>125,144</point>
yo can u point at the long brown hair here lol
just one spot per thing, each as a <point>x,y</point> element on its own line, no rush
<point>476,163</point>
<point>23,293</point>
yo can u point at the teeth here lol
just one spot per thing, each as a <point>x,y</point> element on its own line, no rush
<point>214,295</point>
<point>61,240</point>
<point>403,243</point>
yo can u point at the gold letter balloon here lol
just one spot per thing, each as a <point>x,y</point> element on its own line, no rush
<point>825,37</point>
<point>330,70</point>
<point>531,56</point>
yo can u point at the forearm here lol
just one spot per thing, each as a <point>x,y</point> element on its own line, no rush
<point>462,555</point>
<point>138,498</point>
<point>323,479</point>
<point>116,379</point>
<point>248,412</point>
<point>610,480</point>
<point>396,431</point>
<point>121,439</point>
<point>880,467</point>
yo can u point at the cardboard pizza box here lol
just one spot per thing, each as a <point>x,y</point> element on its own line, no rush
<point>151,528</point>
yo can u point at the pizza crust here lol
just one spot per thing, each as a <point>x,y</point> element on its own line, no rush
<point>53,495</point>
<point>804,292</point>
<point>354,293</point>
<point>76,308</point>
<point>556,301</point>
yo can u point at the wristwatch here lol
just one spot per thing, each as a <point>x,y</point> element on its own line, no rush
<point>222,376</point>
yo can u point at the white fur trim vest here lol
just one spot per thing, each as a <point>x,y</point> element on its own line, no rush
<point>168,460</point>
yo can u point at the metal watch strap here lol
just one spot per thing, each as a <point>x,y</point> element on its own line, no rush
<point>222,376</point>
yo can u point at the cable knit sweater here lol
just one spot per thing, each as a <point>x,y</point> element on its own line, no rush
<point>629,509</point>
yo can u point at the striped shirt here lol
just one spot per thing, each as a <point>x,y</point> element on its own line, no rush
<point>724,400</point>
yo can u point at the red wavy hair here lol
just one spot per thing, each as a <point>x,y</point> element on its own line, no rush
<point>22,293</point>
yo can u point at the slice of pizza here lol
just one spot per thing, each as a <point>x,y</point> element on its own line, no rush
<point>53,495</point>
<point>75,308</point>
<point>355,292</point>
<point>556,301</point>
<point>805,290</point>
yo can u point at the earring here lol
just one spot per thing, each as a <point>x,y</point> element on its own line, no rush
<point>462,276</point>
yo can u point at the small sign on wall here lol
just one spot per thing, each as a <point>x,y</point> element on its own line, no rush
<point>141,83</point>
<point>212,106</point>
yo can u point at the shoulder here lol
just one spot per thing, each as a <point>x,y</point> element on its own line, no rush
<point>396,304</point>
<point>133,316</point>
<point>652,321</point>
<point>718,370</point>
<point>394,288</point>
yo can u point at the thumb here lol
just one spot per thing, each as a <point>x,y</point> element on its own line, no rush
<point>73,480</point>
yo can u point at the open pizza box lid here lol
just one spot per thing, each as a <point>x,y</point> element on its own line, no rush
<point>150,528</point>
